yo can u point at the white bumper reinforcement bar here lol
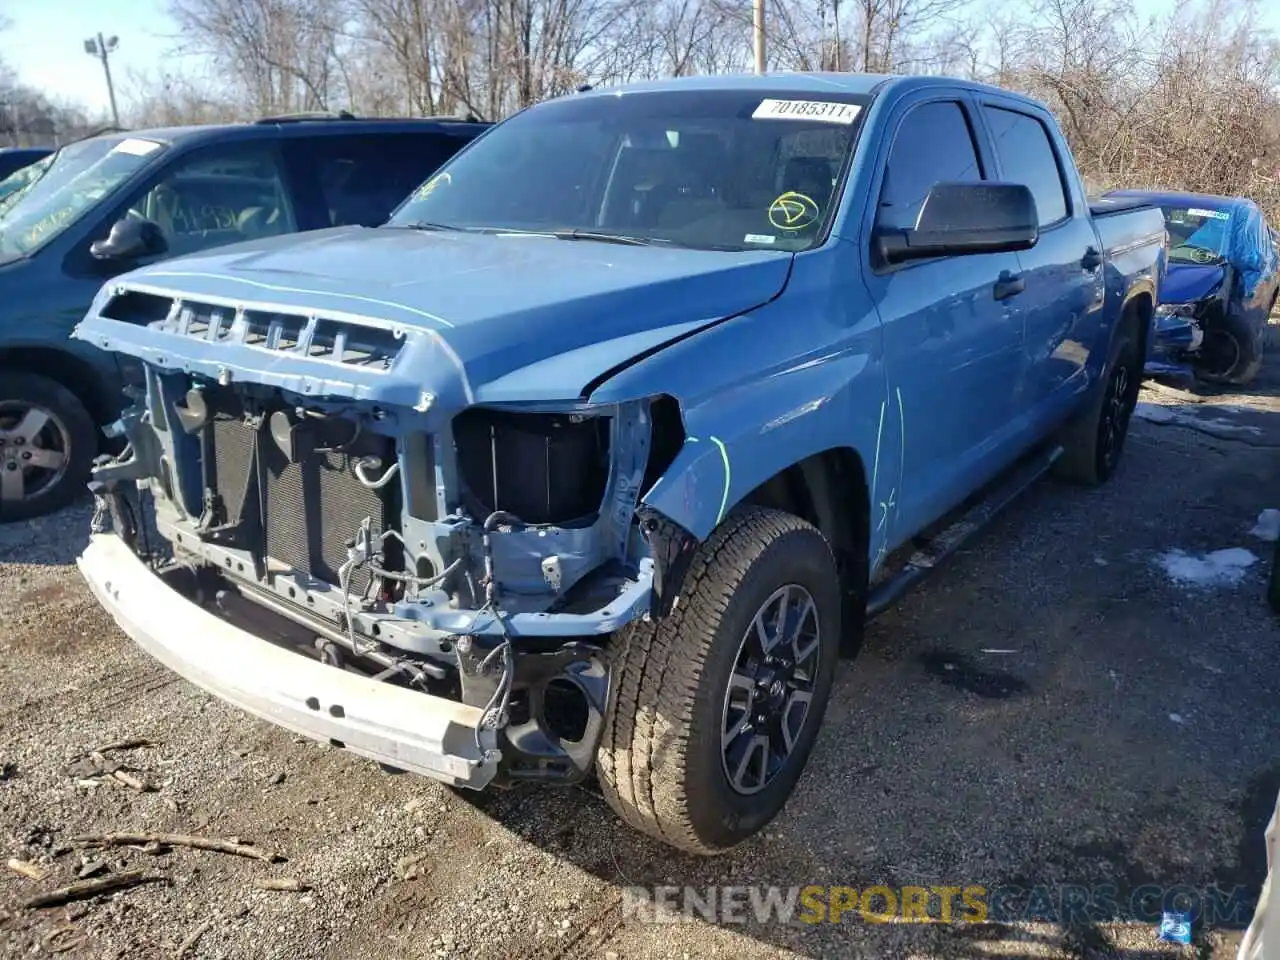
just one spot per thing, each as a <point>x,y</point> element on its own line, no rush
<point>402,728</point>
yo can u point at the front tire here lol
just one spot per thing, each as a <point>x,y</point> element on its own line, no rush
<point>47,445</point>
<point>1231,353</point>
<point>717,706</point>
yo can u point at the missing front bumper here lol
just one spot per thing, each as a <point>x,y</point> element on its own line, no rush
<point>405,729</point>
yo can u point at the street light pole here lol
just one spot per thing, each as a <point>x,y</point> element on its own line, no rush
<point>97,47</point>
<point>757,25</point>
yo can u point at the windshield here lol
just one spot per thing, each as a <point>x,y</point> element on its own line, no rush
<point>713,170</point>
<point>13,183</point>
<point>1197,234</point>
<point>63,187</point>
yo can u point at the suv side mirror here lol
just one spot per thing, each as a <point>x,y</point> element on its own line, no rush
<point>964,218</point>
<point>130,239</point>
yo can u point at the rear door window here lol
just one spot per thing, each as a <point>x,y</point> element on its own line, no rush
<point>363,178</point>
<point>1027,156</point>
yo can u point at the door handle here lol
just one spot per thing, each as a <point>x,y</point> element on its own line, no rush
<point>1009,285</point>
<point>1091,260</point>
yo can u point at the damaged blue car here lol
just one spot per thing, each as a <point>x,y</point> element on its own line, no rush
<point>600,452</point>
<point>1222,283</point>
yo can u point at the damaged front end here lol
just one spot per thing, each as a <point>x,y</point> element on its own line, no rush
<point>1187,331</point>
<point>323,484</point>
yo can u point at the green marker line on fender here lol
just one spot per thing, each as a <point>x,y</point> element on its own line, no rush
<point>724,497</point>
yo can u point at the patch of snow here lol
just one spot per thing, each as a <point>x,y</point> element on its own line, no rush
<point>1268,525</point>
<point>1099,561</point>
<point>1158,413</point>
<point>1177,718</point>
<point>1217,423</point>
<point>1154,412</point>
<point>1221,568</point>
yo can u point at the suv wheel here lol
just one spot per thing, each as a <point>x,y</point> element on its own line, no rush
<point>47,445</point>
<point>717,706</point>
<point>1231,353</point>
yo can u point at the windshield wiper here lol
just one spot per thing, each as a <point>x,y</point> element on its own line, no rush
<point>1201,257</point>
<point>430,225</point>
<point>576,234</point>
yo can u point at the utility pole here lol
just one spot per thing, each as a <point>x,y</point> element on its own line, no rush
<point>835,15</point>
<point>757,25</point>
<point>97,47</point>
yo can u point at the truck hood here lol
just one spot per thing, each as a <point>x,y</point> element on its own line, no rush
<point>518,317</point>
<point>1188,282</point>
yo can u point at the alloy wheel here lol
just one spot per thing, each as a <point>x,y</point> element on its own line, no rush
<point>1116,411</point>
<point>1219,353</point>
<point>770,690</point>
<point>35,448</point>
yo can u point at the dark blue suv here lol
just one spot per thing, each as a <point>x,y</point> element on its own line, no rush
<point>108,204</point>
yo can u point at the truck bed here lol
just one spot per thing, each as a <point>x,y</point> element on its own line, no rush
<point>1100,207</point>
<point>1126,228</point>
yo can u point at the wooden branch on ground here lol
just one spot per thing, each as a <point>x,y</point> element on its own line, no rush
<point>288,884</point>
<point>178,840</point>
<point>31,871</point>
<point>91,888</point>
<point>190,942</point>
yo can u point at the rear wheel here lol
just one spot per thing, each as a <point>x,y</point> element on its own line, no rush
<point>717,706</point>
<point>47,445</point>
<point>1093,443</point>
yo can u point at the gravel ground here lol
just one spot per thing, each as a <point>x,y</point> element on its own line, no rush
<point>1051,708</point>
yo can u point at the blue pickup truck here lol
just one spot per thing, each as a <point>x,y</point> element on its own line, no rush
<point>599,453</point>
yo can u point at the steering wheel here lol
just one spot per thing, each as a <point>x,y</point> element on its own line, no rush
<point>1194,254</point>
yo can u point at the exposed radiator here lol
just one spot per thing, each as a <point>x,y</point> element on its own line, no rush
<point>315,506</point>
<point>302,512</point>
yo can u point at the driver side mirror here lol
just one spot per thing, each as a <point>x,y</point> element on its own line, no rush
<point>965,218</point>
<point>130,239</point>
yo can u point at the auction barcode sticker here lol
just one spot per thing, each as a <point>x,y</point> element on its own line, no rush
<point>824,111</point>
<point>1212,214</point>
<point>137,147</point>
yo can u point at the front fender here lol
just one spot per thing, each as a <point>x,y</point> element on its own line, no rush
<point>759,393</point>
<point>747,437</point>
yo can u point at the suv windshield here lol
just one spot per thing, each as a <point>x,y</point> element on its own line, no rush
<point>13,183</point>
<point>716,170</point>
<point>1197,234</point>
<point>63,187</point>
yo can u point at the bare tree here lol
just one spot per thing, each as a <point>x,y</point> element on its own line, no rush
<point>1187,100</point>
<point>285,53</point>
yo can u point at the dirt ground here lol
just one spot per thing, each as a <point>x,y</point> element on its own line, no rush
<point>1052,708</point>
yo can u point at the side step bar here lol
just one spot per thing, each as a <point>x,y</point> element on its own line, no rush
<point>931,551</point>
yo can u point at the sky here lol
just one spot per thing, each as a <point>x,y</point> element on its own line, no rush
<point>45,43</point>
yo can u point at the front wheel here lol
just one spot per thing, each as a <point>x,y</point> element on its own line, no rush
<point>1231,353</point>
<point>47,445</point>
<point>717,706</point>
